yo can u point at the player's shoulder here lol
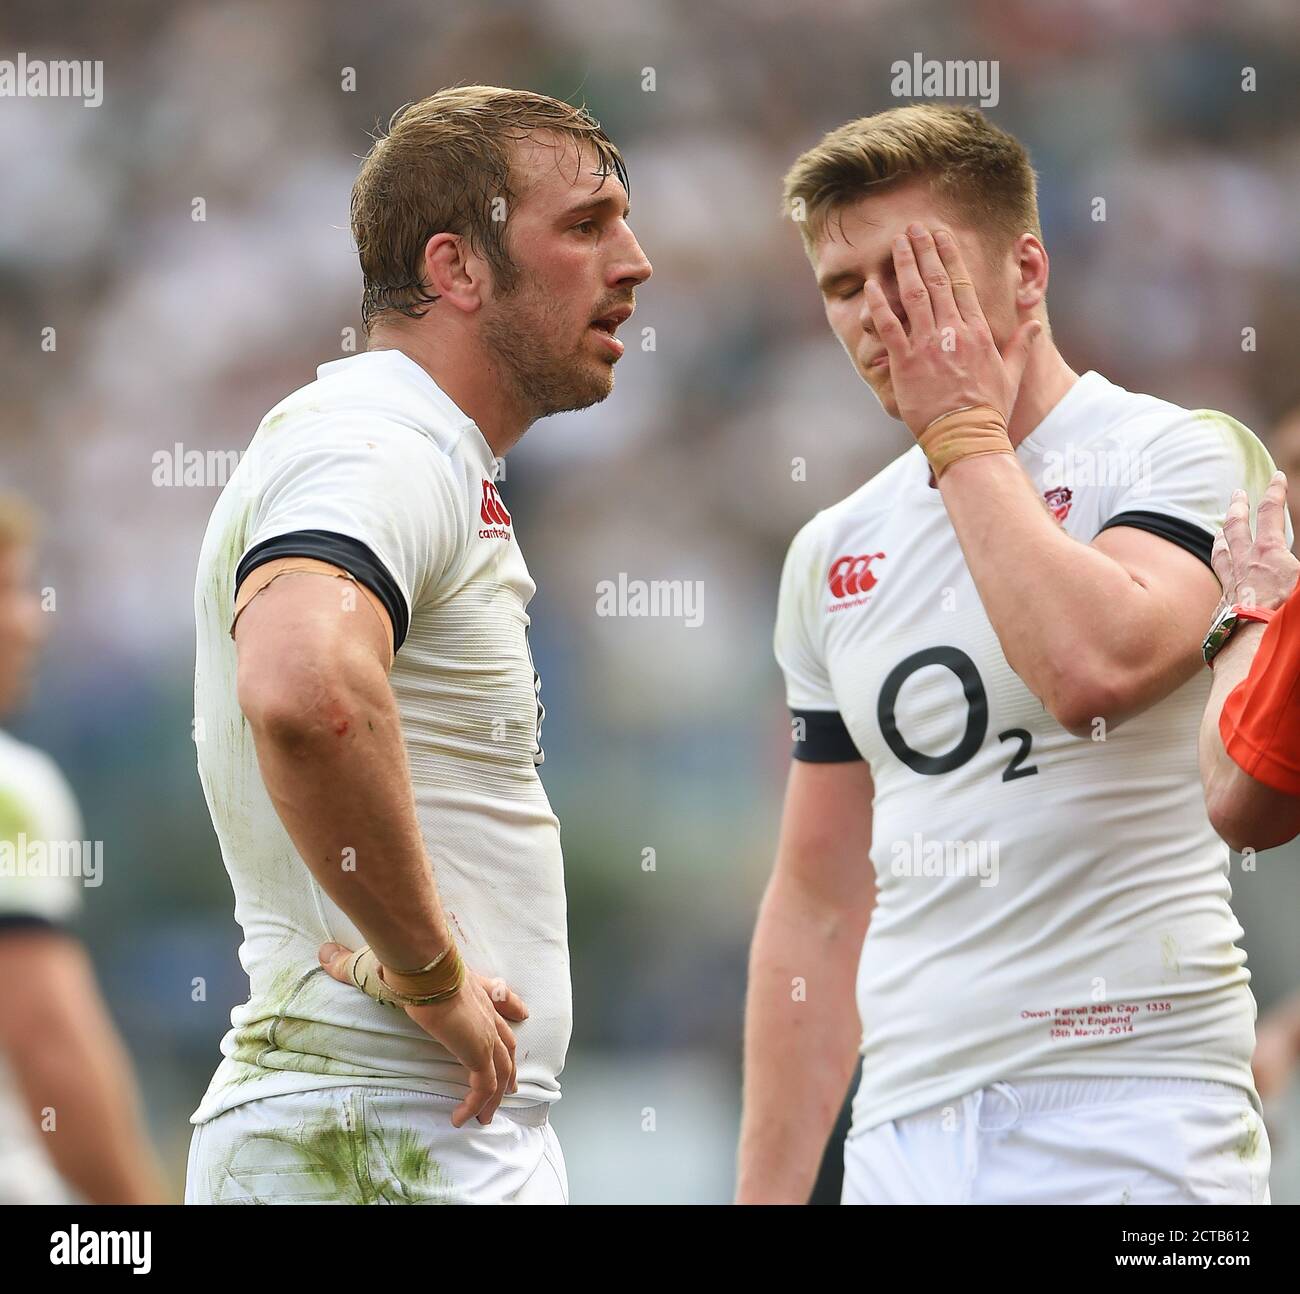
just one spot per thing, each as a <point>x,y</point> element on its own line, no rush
<point>21,761</point>
<point>869,504</point>
<point>38,812</point>
<point>32,785</point>
<point>1140,418</point>
<point>382,398</point>
<point>1192,443</point>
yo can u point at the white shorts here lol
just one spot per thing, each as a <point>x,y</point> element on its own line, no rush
<point>1068,1141</point>
<point>373,1145</point>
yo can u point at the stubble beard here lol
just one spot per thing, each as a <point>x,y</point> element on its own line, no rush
<point>524,333</point>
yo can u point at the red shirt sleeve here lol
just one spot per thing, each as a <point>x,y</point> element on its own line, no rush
<point>1260,722</point>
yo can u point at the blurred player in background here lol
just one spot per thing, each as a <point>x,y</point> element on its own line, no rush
<point>70,1126</point>
<point>369,741</point>
<point>1277,1048</point>
<point>992,652</point>
<point>1284,444</point>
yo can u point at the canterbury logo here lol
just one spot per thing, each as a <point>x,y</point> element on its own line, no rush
<point>493,511</point>
<point>852,575</point>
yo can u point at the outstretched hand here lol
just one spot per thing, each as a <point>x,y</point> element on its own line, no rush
<point>1258,570</point>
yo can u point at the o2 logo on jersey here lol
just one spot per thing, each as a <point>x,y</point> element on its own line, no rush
<point>496,520</point>
<point>1058,499</point>
<point>850,576</point>
<point>977,717</point>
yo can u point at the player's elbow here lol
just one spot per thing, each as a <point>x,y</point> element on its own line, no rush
<point>1243,823</point>
<point>1085,705</point>
<point>1078,721</point>
<point>300,698</point>
<point>1236,829</point>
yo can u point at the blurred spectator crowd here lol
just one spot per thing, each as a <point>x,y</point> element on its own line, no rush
<point>169,330</point>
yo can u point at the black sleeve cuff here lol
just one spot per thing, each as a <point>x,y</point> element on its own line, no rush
<point>1185,534</point>
<point>826,739</point>
<point>344,552</point>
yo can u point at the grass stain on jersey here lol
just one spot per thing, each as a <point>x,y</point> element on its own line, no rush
<point>1256,466</point>
<point>15,818</point>
<point>1169,954</point>
<point>277,1040</point>
<point>258,1037</point>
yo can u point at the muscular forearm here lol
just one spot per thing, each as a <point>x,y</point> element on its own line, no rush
<point>801,1041</point>
<point>1231,666</point>
<point>1072,622</point>
<point>335,767</point>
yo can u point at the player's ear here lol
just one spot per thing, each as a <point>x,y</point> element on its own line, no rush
<point>454,273</point>
<point>1031,257</point>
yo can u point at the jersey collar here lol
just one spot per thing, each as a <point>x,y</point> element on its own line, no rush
<point>1080,407</point>
<point>445,407</point>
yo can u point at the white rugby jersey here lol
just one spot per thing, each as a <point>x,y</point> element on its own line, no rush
<point>372,467</point>
<point>1048,904</point>
<point>37,807</point>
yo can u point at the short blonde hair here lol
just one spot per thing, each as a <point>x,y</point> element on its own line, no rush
<point>979,173</point>
<point>440,167</point>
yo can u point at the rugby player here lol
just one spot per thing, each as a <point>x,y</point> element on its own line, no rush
<point>70,1125</point>
<point>370,734</point>
<point>992,653</point>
